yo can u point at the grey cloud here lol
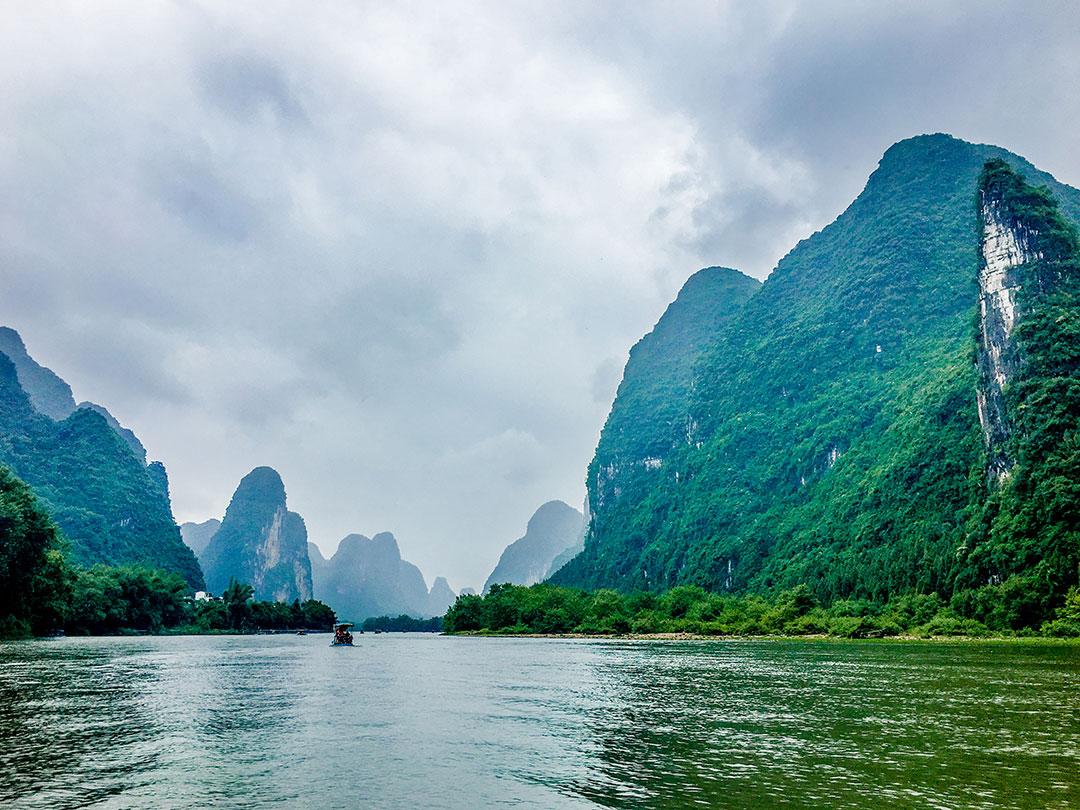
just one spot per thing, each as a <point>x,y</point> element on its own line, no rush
<point>195,191</point>
<point>401,253</point>
<point>246,84</point>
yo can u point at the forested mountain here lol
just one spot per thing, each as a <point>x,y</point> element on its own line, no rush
<point>367,577</point>
<point>553,528</point>
<point>111,506</point>
<point>833,422</point>
<point>48,394</point>
<point>260,542</point>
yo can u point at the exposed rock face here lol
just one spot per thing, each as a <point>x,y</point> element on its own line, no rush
<point>367,577</point>
<point>260,542</point>
<point>554,528</point>
<point>1007,243</point>
<point>48,394</point>
<point>111,505</point>
<point>197,536</point>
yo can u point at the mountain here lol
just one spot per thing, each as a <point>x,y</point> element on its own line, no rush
<point>440,597</point>
<point>112,507</point>
<point>833,421</point>
<point>197,536</point>
<point>367,577</point>
<point>129,437</point>
<point>260,542</point>
<point>575,548</point>
<point>552,529</point>
<point>49,395</point>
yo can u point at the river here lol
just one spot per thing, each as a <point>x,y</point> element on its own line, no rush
<point>404,721</point>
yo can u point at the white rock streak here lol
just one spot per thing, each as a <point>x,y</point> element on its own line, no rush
<point>1004,247</point>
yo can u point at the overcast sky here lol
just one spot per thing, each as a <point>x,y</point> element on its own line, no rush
<point>400,252</point>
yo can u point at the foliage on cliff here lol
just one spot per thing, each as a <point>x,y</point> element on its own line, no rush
<point>111,507</point>
<point>833,436</point>
<point>260,542</point>
<point>1030,526</point>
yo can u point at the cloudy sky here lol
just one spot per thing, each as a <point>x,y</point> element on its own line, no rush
<point>400,251</point>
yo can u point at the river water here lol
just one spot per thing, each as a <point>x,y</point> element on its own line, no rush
<point>427,721</point>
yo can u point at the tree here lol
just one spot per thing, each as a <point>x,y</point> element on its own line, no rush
<point>34,579</point>
<point>237,598</point>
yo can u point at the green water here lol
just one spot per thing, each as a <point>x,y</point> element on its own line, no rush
<point>427,721</point>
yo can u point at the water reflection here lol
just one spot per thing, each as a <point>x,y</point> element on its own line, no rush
<point>438,722</point>
<point>735,724</point>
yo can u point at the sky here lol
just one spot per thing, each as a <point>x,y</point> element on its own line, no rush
<point>399,252</point>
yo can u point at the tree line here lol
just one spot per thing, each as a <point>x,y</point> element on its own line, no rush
<point>554,609</point>
<point>41,592</point>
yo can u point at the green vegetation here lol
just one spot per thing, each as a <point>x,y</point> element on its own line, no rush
<point>34,578</point>
<point>1028,531</point>
<point>552,609</point>
<point>832,435</point>
<point>239,611</point>
<point>129,599</point>
<point>41,592</point>
<point>111,507</point>
<point>402,624</point>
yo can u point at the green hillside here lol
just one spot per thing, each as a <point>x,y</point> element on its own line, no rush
<point>111,507</point>
<point>833,430</point>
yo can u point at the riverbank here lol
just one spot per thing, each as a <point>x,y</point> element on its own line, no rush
<point>691,612</point>
<point>1072,641</point>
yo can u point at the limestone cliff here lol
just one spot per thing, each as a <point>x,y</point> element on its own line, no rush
<point>260,542</point>
<point>1007,244</point>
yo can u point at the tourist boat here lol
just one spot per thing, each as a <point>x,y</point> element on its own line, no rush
<point>342,636</point>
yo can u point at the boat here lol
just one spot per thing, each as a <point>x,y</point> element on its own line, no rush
<point>342,636</point>
<point>301,632</point>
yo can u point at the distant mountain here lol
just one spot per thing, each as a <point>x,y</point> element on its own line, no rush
<point>571,551</point>
<point>367,577</point>
<point>112,507</point>
<point>49,395</point>
<point>260,542</point>
<point>891,412</point>
<point>440,597</point>
<point>197,536</point>
<point>552,530</point>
